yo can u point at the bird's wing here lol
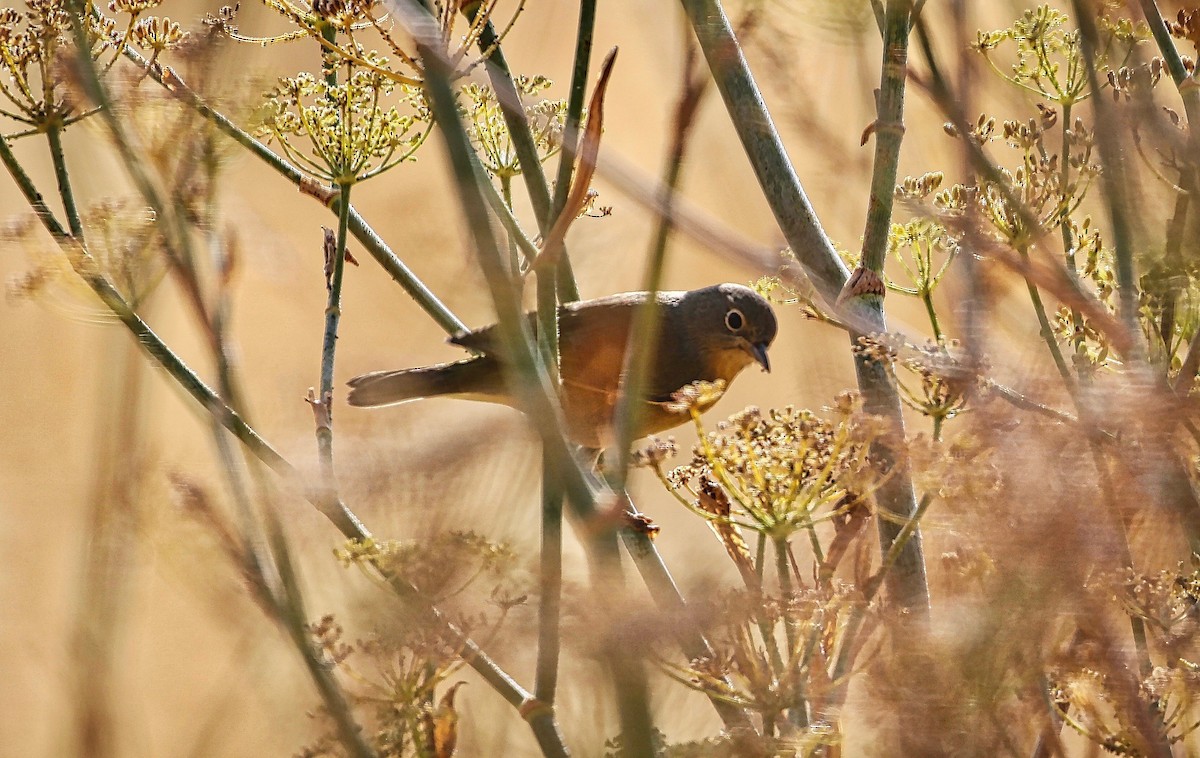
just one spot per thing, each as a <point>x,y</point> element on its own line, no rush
<point>572,317</point>
<point>592,342</point>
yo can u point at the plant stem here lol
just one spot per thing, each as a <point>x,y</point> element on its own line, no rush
<point>550,584</point>
<point>583,56</point>
<point>1064,226</point>
<point>647,321</point>
<point>522,140</point>
<point>568,291</point>
<point>808,241</point>
<point>907,583</point>
<point>1046,332</point>
<point>927,299</point>
<point>333,316</point>
<point>63,177</point>
<point>359,228</point>
<point>888,133</point>
<point>1114,181</point>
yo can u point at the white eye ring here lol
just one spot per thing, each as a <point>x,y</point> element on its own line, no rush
<point>734,320</point>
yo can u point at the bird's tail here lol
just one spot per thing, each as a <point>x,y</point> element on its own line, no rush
<point>478,378</point>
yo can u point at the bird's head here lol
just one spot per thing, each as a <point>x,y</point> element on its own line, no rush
<point>735,325</point>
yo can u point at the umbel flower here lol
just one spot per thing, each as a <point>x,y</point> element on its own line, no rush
<point>33,42</point>
<point>777,472</point>
<point>775,656</point>
<point>489,132</point>
<point>341,28</point>
<point>342,133</point>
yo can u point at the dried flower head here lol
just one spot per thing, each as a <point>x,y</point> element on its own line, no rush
<point>921,187</point>
<point>396,679</point>
<point>653,453</point>
<point>441,567</point>
<point>1039,193</point>
<point>158,33</point>
<point>696,397</point>
<point>941,366</point>
<point>771,655</point>
<point>1187,26</point>
<point>33,44</point>
<point>780,471</point>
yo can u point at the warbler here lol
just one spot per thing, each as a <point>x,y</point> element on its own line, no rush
<point>706,334</point>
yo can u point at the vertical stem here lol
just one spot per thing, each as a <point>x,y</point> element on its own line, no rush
<point>927,298</point>
<point>1113,180</point>
<point>888,133</point>
<point>550,603</point>
<point>1046,332</point>
<point>583,56</point>
<point>907,583</point>
<point>567,289</point>
<point>798,222</point>
<point>333,316</point>
<point>506,194</point>
<point>63,177</point>
<point>647,321</point>
<point>1064,225</point>
<point>523,142</point>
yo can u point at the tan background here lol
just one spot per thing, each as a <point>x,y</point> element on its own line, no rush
<point>196,669</point>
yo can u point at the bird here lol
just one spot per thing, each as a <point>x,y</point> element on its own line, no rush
<point>706,334</point>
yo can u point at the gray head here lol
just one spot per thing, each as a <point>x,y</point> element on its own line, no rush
<point>732,325</point>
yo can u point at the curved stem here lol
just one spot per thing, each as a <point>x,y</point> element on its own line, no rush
<point>802,230</point>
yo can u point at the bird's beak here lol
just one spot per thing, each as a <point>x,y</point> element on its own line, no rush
<point>759,352</point>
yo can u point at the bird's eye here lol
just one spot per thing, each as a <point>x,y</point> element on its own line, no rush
<point>734,320</point>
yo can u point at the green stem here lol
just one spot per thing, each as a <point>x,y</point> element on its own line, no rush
<point>1114,182</point>
<point>359,228</point>
<point>647,321</point>
<point>567,289</point>
<point>1046,332</point>
<point>583,56</point>
<point>523,141</point>
<point>63,177</point>
<point>1064,226</point>
<point>333,317</point>
<point>550,579</point>
<point>907,583</point>
<point>30,192</point>
<point>888,133</point>
<point>333,309</point>
<point>803,232</point>
<point>927,298</point>
<point>506,195</point>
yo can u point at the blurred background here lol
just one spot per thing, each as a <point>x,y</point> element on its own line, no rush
<point>128,633</point>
